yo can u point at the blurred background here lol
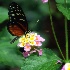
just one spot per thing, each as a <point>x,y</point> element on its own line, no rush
<point>35,11</point>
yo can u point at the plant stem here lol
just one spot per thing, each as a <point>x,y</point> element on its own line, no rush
<point>66,34</point>
<point>53,30</point>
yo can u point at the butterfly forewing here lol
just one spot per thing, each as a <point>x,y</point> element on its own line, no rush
<point>17,24</point>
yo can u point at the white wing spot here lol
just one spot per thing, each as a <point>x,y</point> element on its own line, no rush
<point>17,7</point>
<point>10,6</point>
<point>22,19</point>
<point>37,20</point>
<point>23,14</point>
<point>17,13</point>
<point>13,7</point>
<point>13,14</point>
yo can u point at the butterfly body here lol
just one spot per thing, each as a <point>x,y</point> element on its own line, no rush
<point>17,25</point>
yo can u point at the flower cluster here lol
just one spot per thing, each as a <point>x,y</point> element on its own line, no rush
<point>31,43</point>
<point>66,66</point>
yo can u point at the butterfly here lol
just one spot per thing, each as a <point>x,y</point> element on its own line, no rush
<point>17,25</point>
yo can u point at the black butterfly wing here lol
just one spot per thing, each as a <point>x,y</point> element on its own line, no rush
<point>17,24</point>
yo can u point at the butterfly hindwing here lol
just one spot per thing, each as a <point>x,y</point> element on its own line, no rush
<point>17,24</point>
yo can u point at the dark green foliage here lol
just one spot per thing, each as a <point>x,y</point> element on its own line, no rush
<point>65,9</point>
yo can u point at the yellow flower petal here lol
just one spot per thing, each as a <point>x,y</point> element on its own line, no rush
<point>22,39</point>
<point>33,34</point>
<point>22,44</point>
<point>32,43</point>
<point>67,66</point>
<point>32,38</point>
<point>27,40</point>
<point>27,35</point>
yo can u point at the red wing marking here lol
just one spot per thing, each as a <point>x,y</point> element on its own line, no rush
<point>15,30</point>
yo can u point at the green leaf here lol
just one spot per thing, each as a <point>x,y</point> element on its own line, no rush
<point>3,14</point>
<point>9,55</point>
<point>65,11</point>
<point>48,61</point>
<point>62,1</point>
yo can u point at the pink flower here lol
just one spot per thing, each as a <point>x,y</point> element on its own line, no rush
<point>38,38</point>
<point>27,47</point>
<point>25,54</point>
<point>38,43</point>
<point>44,1</point>
<point>40,52</point>
<point>58,61</point>
<point>63,68</point>
<point>41,39</point>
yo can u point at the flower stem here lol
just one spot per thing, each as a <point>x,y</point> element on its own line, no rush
<point>53,30</point>
<point>66,34</point>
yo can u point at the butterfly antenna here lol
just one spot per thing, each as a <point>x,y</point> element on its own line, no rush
<point>14,39</point>
<point>37,22</point>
